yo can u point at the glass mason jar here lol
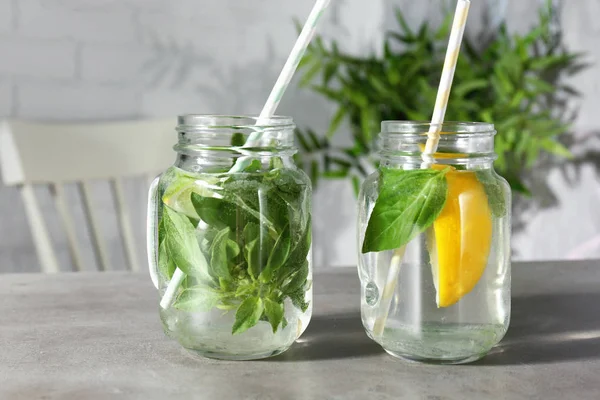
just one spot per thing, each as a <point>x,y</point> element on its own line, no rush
<point>229,238</point>
<point>434,244</point>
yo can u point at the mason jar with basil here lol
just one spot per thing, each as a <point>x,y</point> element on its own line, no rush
<point>229,238</point>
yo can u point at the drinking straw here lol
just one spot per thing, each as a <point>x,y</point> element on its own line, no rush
<point>282,83</point>
<point>433,138</point>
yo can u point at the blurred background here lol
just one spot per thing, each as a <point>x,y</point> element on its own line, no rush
<point>113,60</point>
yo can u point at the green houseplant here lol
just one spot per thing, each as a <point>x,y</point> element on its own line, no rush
<point>514,81</point>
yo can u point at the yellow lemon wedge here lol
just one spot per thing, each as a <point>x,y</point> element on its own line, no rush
<point>462,236</point>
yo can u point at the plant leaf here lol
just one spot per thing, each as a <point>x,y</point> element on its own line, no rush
<point>215,212</point>
<point>314,139</point>
<point>336,121</point>
<point>302,140</point>
<point>182,245</point>
<point>298,280</point>
<point>494,191</point>
<point>302,247</point>
<point>356,185</point>
<point>166,266</point>
<point>408,203</point>
<point>258,244</point>
<point>278,255</point>
<point>298,299</point>
<point>253,258</point>
<point>467,87</point>
<point>238,139</point>
<point>197,299</point>
<point>233,249</point>
<point>310,74</point>
<point>314,172</point>
<point>254,166</point>
<point>274,312</point>
<point>218,255</point>
<point>555,147</point>
<point>247,315</point>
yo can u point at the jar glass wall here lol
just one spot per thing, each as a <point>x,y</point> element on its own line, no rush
<point>229,238</point>
<point>434,244</point>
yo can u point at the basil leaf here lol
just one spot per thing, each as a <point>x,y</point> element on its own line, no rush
<point>244,288</point>
<point>495,192</point>
<point>218,255</point>
<point>238,139</point>
<point>254,166</point>
<point>247,315</point>
<point>274,312</point>
<point>161,231</point>
<point>278,255</point>
<point>251,232</point>
<point>302,247</point>
<point>245,193</point>
<point>298,280</point>
<point>182,246</point>
<point>276,162</point>
<point>284,323</point>
<point>253,259</point>
<point>166,267</point>
<point>287,198</point>
<point>256,251</point>
<point>215,212</point>
<point>225,285</point>
<point>197,299</point>
<point>298,299</point>
<point>233,249</point>
<point>408,203</point>
<point>252,249</point>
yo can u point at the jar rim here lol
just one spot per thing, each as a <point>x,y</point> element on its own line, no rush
<point>457,128</point>
<point>186,122</point>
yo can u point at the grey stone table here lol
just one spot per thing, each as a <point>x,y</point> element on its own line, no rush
<point>97,336</point>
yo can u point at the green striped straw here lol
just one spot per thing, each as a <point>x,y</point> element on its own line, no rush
<point>285,77</point>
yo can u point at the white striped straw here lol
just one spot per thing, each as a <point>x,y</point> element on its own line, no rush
<point>306,35</point>
<point>433,137</point>
<point>443,94</point>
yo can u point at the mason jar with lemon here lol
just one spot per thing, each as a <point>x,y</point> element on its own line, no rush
<point>434,244</point>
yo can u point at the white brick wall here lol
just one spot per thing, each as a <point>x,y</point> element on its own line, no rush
<point>168,103</point>
<point>61,20</point>
<point>113,59</point>
<point>5,16</point>
<point>110,5</point>
<point>584,37</point>
<point>59,101</point>
<point>114,64</point>
<point>35,57</point>
<point>5,98</point>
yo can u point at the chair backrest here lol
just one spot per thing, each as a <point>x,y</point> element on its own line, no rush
<point>56,154</point>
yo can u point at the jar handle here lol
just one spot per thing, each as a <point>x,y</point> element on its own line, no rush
<point>152,231</point>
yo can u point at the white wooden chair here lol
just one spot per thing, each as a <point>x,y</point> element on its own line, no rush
<point>56,154</point>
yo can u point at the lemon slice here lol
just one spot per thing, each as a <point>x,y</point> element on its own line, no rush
<point>460,243</point>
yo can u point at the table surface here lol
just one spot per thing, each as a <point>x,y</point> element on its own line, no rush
<point>98,336</point>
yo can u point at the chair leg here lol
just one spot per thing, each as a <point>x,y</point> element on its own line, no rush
<point>41,238</point>
<point>58,193</point>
